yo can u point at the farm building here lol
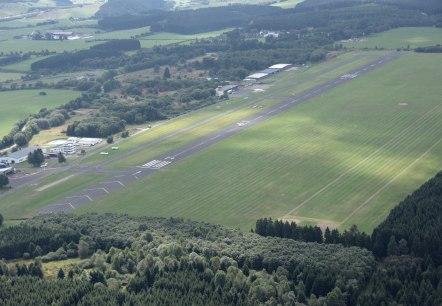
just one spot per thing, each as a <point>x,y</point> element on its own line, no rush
<point>18,157</point>
<point>58,34</point>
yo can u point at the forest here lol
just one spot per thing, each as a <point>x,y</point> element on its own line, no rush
<point>156,261</point>
<point>123,260</point>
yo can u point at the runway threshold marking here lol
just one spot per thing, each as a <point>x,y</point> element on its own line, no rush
<point>118,182</point>
<point>104,189</point>
<point>81,196</point>
<point>155,164</point>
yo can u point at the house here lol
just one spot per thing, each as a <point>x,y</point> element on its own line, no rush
<point>18,156</point>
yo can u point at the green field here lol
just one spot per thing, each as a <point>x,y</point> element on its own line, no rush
<point>171,38</point>
<point>16,105</point>
<point>26,202</point>
<point>346,157</point>
<point>399,38</point>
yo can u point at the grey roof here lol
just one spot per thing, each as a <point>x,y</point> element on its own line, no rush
<point>22,152</point>
<point>270,70</point>
<point>58,32</point>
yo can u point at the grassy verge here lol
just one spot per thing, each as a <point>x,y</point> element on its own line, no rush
<point>27,202</point>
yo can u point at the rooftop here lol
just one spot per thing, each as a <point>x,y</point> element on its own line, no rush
<point>258,75</point>
<point>22,152</point>
<point>280,66</point>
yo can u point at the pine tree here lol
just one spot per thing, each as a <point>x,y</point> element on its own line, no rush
<point>61,158</point>
<point>392,248</point>
<point>60,274</point>
<point>4,181</point>
<point>327,236</point>
<point>166,74</point>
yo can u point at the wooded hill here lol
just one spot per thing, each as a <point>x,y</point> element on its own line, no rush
<point>155,261</point>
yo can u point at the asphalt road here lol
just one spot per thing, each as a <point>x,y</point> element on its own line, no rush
<point>124,177</point>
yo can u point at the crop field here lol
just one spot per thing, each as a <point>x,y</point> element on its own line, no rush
<point>400,38</point>
<point>346,157</point>
<point>16,105</point>
<point>24,45</point>
<point>171,38</point>
<point>10,76</point>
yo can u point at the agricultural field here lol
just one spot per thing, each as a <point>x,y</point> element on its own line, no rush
<point>10,76</point>
<point>399,38</point>
<point>346,157</point>
<point>172,38</point>
<point>16,105</point>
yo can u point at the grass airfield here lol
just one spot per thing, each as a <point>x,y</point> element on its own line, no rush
<point>346,157</point>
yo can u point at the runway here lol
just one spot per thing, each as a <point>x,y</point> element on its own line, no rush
<point>121,178</point>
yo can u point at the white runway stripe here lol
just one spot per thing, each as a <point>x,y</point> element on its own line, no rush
<point>155,164</point>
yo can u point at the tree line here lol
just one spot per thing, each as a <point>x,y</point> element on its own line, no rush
<point>285,229</point>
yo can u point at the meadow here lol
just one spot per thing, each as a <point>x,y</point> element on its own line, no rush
<point>399,38</point>
<point>346,157</point>
<point>16,105</point>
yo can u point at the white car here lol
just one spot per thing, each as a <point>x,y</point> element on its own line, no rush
<point>44,165</point>
<point>104,153</point>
